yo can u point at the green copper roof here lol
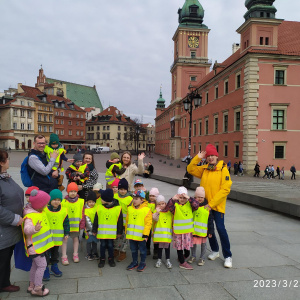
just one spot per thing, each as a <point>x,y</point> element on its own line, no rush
<point>81,95</point>
<point>191,14</point>
<point>161,99</point>
<point>260,9</point>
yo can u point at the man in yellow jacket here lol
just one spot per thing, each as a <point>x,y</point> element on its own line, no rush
<point>216,181</point>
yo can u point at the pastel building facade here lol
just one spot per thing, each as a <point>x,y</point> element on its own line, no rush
<point>250,102</point>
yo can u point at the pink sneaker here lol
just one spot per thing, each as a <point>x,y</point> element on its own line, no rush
<point>75,258</point>
<point>64,261</point>
<point>30,287</point>
<point>40,291</point>
<point>186,266</point>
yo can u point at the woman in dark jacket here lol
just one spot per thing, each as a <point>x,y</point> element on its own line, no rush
<point>11,207</point>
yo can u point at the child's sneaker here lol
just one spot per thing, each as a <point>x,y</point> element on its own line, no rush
<point>64,261</point>
<point>185,266</point>
<point>96,256</point>
<point>168,264</point>
<point>40,291</point>
<point>90,257</point>
<point>141,267</point>
<point>55,271</point>
<point>200,262</point>
<point>191,259</point>
<point>132,266</point>
<point>101,263</point>
<point>158,263</point>
<point>111,262</point>
<point>46,276</point>
<point>75,258</point>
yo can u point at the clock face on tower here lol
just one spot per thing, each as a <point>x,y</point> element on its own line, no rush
<point>193,42</point>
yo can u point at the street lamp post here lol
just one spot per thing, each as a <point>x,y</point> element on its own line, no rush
<point>193,98</point>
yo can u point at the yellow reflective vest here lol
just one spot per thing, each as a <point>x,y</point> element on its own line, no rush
<point>56,221</point>
<point>136,223</point>
<point>151,206</point>
<point>109,177</point>
<point>74,212</point>
<point>81,170</point>
<point>108,222</point>
<point>183,218</point>
<point>42,240</point>
<point>200,221</point>
<point>162,230</point>
<point>124,202</point>
<point>48,150</point>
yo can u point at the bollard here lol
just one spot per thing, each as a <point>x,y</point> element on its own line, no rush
<point>178,166</point>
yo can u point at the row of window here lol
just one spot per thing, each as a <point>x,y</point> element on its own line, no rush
<point>46,108</point>
<point>57,121</point>
<point>22,113</point>
<point>107,127</point>
<point>57,113</point>
<point>23,103</point>
<point>45,118</point>
<point>23,126</point>
<point>70,132</point>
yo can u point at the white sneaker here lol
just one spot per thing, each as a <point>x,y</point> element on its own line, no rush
<point>168,264</point>
<point>228,262</point>
<point>158,263</point>
<point>213,255</point>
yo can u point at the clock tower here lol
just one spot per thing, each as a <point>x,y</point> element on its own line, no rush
<point>190,49</point>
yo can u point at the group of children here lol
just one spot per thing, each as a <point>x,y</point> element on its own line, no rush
<point>116,218</point>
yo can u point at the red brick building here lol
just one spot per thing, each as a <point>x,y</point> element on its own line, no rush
<point>250,102</point>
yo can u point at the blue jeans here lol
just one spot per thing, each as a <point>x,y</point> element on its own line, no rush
<point>135,246</point>
<point>219,219</point>
<point>109,245</point>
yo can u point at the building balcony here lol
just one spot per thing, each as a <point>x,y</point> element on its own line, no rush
<point>192,61</point>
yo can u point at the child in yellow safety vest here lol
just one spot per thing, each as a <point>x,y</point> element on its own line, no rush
<point>124,197</point>
<point>114,185</point>
<point>203,226</point>
<point>151,197</point>
<point>162,230</point>
<point>90,210</point>
<point>74,205</point>
<point>138,226</point>
<point>108,225</point>
<point>38,239</point>
<point>182,207</point>
<point>113,169</point>
<point>55,145</point>
<point>60,227</point>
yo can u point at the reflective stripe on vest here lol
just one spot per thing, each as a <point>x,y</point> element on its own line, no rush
<point>162,231</point>
<point>200,221</point>
<point>107,222</point>
<point>109,177</point>
<point>124,202</point>
<point>74,210</point>
<point>81,170</point>
<point>42,240</point>
<point>136,223</point>
<point>183,219</point>
<point>56,221</point>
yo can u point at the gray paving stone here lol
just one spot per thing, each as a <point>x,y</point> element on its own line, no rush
<point>158,279</point>
<point>210,291</point>
<point>66,286</point>
<point>290,251</point>
<point>277,272</point>
<point>219,275</point>
<point>103,283</point>
<point>245,290</point>
<point>257,256</point>
<point>158,293</point>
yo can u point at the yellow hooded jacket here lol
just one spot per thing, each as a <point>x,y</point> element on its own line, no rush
<point>216,183</point>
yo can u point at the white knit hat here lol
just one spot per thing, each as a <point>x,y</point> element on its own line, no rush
<point>154,192</point>
<point>182,190</point>
<point>160,198</point>
<point>200,192</point>
<point>98,186</point>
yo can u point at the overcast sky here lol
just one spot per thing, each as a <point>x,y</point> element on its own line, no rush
<point>124,47</point>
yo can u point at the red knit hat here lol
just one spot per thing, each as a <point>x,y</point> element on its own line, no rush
<point>211,150</point>
<point>72,187</point>
<point>115,182</point>
<point>28,191</point>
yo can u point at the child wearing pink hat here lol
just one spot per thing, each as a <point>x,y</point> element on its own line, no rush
<point>38,239</point>
<point>201,216</point>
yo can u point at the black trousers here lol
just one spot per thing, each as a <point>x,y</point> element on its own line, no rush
<point>181,256</point>
<point>52,255</point>
<point>5,258</point>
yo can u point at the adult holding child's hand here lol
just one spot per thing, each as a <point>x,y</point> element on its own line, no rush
<point>215,179</point>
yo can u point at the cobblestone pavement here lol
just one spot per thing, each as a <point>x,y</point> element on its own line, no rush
<point>265,247</point>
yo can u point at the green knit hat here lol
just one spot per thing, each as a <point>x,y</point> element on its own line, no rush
<point>55,194</point>
<point>54,139</point>
<point>114,155</point>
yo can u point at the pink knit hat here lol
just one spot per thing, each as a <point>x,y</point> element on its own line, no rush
<point>200,192</point>
<point>161,198</point>
<point>115,182</point>
<point>154,191</point>
<point>38,199</point>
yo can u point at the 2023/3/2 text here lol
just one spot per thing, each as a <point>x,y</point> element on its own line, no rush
<point>276,283</point>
